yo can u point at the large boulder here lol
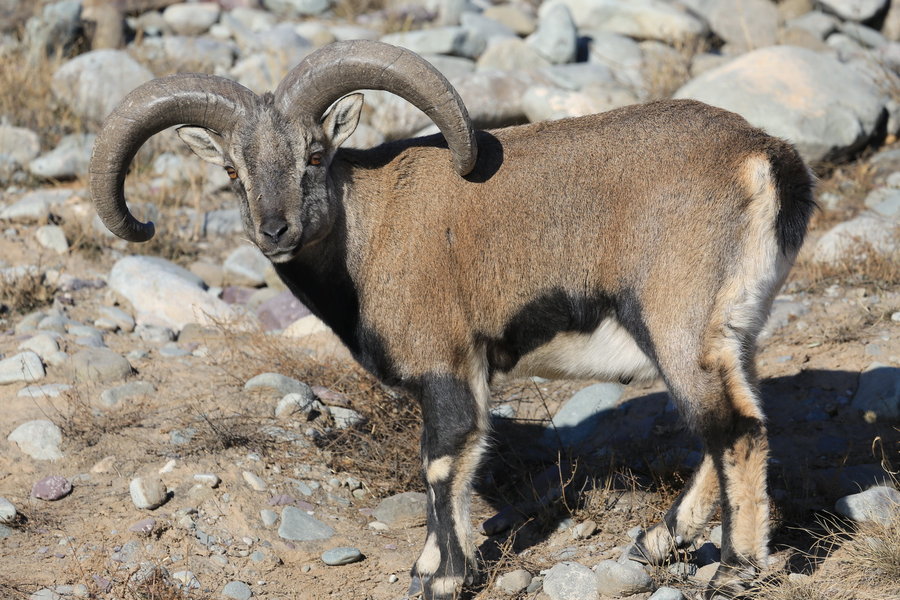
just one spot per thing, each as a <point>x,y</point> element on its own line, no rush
<point>826,108</point>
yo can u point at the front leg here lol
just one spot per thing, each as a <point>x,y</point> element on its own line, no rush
<point>453,441</point>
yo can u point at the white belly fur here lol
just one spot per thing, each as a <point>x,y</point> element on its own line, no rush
<point>609,352</point>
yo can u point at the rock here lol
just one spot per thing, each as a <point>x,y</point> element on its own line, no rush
<point>51,488</point>
<point>487,28</point>
<point>854,10</point>
<point>238,590</point>
<point>570,581</point>
<point>191,19</point>
<point>514,582</point>
<point>19,143</point>
<point>148,492</point>
<point>577,420</point>
<point>297,8</point>
<point>50,390</point>
<point>584,530</point>
<point>99,365</point>
<point>53,238</point>
<point>744,24</point>
<point>69,159</point>
<point>849,241</point>
<point>511,54</point>
<point>280,311</point>
<point>246,266</point>
<point>783,312</point>
<point>294,403</point>
<point>35,206</point>
<point>56,29</point>
<point>513,17</point>
<point>187,580</point>
<point>7,511</point>
<point>268,517</point>
<point>298,526</point>
<point>187,54</point>
<point>344,417</point>
<point>494,98</point>
<point>94,83</point>
<point>542,103</point>
<point>815,22</point>
<point>164,294</point>
<point>117,395</point>
<point>878,393</point>
<point>42,344</point>
<point>789,91</point>
<point>457,41</point>
<point>885,202</point>
<point>666,593</point>
<point>281,383</point>
<point>556,36</point>
<point>121,319</point>
<point>217,223</point>
<point>144,526</point>
<point>25,366</point>
<point>40,439</point>
<point>406,507</point>
<point>341,556</point>
<point>622,579</point>
<point>880,504</point>
<point>254,481</point>
<point>640,19</point>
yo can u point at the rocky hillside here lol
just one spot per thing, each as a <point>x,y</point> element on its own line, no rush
<point>178,425</point>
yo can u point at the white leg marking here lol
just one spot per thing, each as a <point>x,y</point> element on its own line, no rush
<point>446,586</point>
<point>439,469</point>
<point>430,559</point>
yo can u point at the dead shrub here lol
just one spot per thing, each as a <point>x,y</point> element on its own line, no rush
<point>21,293</point>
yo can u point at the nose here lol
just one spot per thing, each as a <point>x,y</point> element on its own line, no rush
<point>273,229</point>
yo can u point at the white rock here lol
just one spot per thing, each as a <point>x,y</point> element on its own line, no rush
<point>842,242</point>
<point>246,266</point>
<point>254,481</point>
<point>35,206</point>
<point>25,366</point>
<point>880,504</point>
<point>7,511</point>
<point>53,238</point>
<point>148,492</point>
<point>39,439</point>
<point>191,19</point>
<point>42,344</point>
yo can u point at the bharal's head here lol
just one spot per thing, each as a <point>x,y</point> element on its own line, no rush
<point>277,148</point>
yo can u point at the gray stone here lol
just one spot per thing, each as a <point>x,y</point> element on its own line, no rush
<point>879,392</point>
<point>154,333</point>
<point>570,581</point>
<point>191,19</point>
<point>183,53</point>
<point>99,365</point>
<point>55,29</point>
<point>666,593</point>
<point>298,526</point>
<point>39,439</point>
<point>53,238</point>
<point>52,487</point>
<point>25,366</point>
<point>164,294</point>
<point>879,504</point>
<point>744,24</point>
<point>514,582</point>
<point>253,480</point>
<point>268,517</point>
<point>246,266</point>
<point>94,83</point>
<point>458,41</point>
<point>187,580</point>
<point>281,383</point>
<point>577,420</point>
<point>238,590</point>
<point>35,206</point>
<point>584,530</point>
<point>542,103</point>
<point>885,202</point>
<point>218,223</point>
<point>487,28</point>
<point>511,54</point>
<point>344,417</point>
<point>578,76</point>
<point>295,403</point>
<point>828,109</point>
<point>135,389</point>
<point>621,55</point>
<point>19,143</point>
<point>119,317</point>
<point>173,350</point>
<point>406,507</point>
<point>148,492</point>
<point>341,556</point>
<point>513,17</point>
<point>854,10</point>
<point>50,390</point>
<point>297,8</point>
<point>280,310</point>
<point>70,158</point>
<point>849,241</point>
<point>815,22</point>
<point>640,19</point>
<point>622,578</point>
<point>865,36</point>
<point>7,511</point>
<point>556,36</point>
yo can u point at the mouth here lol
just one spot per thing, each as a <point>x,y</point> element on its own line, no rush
<point>282,255</point>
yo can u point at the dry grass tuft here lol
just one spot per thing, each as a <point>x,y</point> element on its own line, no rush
<point>26,292</point>
<point>861,266</point>
<point>84,425</point>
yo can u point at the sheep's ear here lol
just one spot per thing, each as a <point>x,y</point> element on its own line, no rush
<point>340,122</point>
<point>207,145</point>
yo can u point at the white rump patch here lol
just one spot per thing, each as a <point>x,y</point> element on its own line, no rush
<point>609,352</point>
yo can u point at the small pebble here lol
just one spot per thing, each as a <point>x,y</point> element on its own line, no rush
<point>53,487</point>
<point>208,479</point>
<point>254,481</point>
<point>341,556</point>
<point>7,511</point>
<point>143,526</point>
<point>237,590</point>
<point>148,492</point>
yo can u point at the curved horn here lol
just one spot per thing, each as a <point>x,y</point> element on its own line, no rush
<point>206,101</point>
<point>344,67</point>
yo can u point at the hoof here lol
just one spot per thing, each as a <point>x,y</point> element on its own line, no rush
<point>415,589</point>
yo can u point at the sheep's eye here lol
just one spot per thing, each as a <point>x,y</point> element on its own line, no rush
<point>315,158</point>
<point>231,172</point>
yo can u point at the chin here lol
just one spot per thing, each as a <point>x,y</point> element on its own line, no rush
<point>282,256</point>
